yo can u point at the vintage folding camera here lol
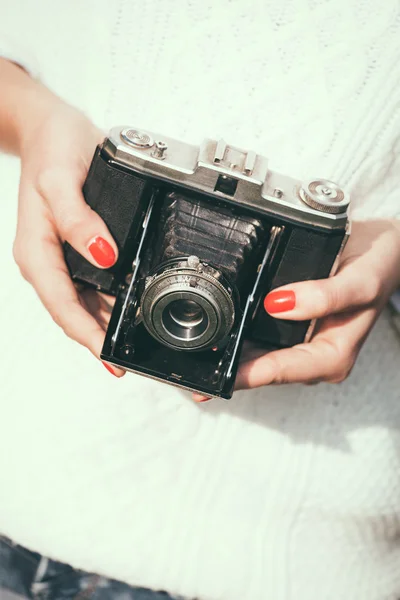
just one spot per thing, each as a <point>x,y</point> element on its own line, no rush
<point>204,233</point>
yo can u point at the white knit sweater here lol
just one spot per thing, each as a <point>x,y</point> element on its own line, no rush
<point>284,493</point>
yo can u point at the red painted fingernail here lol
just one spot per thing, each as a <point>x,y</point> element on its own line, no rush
<point>280,301</point>
<point>197,398</point>
<point>102,252</point>
<point>109,369</point>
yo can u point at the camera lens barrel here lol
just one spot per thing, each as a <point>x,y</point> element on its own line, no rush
<point>188,305</point>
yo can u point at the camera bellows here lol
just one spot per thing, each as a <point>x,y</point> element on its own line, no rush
<point>218,236</point>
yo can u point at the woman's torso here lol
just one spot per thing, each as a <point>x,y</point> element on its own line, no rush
<point>288,492</point>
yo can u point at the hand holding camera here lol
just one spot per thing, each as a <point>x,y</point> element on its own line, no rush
<point>56,145</point>
<point>348,305</point>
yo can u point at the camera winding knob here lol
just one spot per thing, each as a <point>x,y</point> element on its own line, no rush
<point>324,195</point>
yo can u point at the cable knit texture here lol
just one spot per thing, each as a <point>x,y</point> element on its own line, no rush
<point>283,493</point>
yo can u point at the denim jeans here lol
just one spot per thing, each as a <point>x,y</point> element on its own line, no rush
<point>25,575</point>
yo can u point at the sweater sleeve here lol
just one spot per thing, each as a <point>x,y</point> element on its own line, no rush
<point>375,187</point>
<point>18,53</point>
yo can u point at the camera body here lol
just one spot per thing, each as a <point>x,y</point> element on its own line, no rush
<point>203,233</point>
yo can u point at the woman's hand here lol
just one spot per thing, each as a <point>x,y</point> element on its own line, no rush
<point>348,305</point>
<point>56,149</point>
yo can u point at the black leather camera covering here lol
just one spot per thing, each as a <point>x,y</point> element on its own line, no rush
<point>303,254</point>
<point>120,198</point>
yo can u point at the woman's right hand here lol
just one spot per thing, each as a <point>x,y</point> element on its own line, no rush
<point>56,150</point>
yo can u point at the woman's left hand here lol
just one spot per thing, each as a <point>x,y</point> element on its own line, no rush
<point>347,305</point>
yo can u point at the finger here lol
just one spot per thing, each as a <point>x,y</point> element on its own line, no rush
<point>46,271</point>
<point>300,364</point>
<point>350,289</point>
<point>58,294</point>
<point>329,357</point>
<point>113,370</point>
<point>251,350</point>
<point>200,398</point>
<point>75,221</point>
<point>39,255</point>
<point>97,304</point>
<point>61,299</point>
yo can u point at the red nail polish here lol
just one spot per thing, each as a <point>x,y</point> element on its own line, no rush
<point>102,252</point>
<point>198,398</point>
<point>109,369</point>
<point>280,301</point>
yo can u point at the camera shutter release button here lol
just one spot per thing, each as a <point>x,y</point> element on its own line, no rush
<point>139,139</point>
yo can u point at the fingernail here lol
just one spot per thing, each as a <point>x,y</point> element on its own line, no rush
<point>199,399</point>
<point>109,369</point>
<point>280,301</point>
<point>102,252</point>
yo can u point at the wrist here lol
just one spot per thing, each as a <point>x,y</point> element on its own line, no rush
<point>24,105</point>
<point>30,117</point>
<point>396,225</point>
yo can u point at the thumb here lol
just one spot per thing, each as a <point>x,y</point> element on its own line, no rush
<point>351,288</point>
<point>75,221</point>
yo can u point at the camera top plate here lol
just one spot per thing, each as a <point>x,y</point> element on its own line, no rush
<point>236,175</point>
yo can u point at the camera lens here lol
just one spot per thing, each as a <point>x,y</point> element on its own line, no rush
<point>186,313</point>
<point>186,307</point>
<point>184,319</point>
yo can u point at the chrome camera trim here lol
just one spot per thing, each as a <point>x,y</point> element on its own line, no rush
<point>201,167</point>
